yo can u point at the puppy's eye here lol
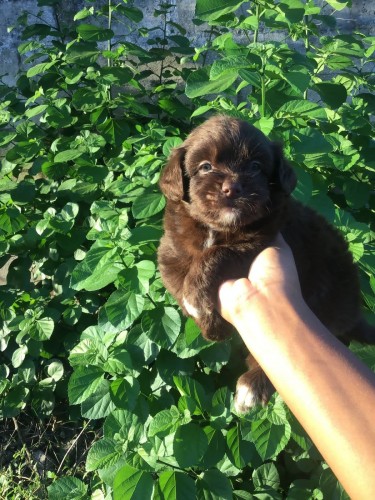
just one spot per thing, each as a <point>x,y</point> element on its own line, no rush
<point>205,167</point>
<point>255,165</point>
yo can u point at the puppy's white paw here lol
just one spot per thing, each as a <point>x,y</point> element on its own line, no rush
<point>253,388</point>
<point>245,397</point>
<point>192,311</point>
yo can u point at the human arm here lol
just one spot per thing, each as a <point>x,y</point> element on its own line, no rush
<point>327,388</point>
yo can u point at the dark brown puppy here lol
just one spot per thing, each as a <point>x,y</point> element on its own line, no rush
<point>228,194</point>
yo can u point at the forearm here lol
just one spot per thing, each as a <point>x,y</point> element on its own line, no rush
<point>321,381</point>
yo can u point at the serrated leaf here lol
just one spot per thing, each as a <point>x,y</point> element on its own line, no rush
<point>176,486</point>
<point>216,447</point>
<point>132,484</point>
<point>214,485</point>
<point>91,33</point>
<point>266,475</point>
<point>103,454</point>
<point>125,426</point>
<point>185,454</point>
<point>84,382</point>
<point>147,205</point>
<point>198,83</point>
<point>240,452</point>
<point>121,310</point>
<point>68,155</point>
<point>162,326</point>
<point>269,439</point>
<point>99,268</point>
<point>210,10</point>
<point>67,487</point>
<point>187,386</point>
<point>301,108</point>
<point>165,422</point>
<point>99,403</point>
<point>125,394</point>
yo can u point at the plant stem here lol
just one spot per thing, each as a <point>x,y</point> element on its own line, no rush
<point>109,47</point>
<point>257,14</point>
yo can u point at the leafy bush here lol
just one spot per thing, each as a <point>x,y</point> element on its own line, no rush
<point>88,329</point>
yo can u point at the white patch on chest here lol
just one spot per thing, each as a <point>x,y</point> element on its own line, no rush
<point>210,240</point>
<point>191,310</point>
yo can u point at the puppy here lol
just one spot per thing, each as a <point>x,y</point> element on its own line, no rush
<point>228,194</point>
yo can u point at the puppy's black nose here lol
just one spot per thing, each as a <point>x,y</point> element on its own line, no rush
<point>231,189</point>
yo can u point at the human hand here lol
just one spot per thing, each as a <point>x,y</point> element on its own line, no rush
<point>272,273</point>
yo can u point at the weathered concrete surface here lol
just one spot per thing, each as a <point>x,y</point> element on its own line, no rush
<point>360,17</point>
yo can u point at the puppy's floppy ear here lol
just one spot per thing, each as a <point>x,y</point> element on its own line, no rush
<point>173,183</point>
<point>285,176</point>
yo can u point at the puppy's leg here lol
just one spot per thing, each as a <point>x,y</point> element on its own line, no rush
<point>253,388</point>
<point>201,284</point>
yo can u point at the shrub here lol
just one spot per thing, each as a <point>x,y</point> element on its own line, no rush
<point>87,324</point>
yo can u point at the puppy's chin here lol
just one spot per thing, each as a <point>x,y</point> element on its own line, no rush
<point>225,218</point>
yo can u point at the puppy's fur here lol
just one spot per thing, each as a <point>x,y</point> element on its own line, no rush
<point>228,194</point>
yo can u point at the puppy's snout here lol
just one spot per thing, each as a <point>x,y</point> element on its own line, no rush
<point>231,189</point>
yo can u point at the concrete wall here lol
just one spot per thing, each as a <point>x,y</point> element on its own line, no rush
<point>359,17</point>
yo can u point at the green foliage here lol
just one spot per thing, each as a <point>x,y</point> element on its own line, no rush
<point>85,318</point>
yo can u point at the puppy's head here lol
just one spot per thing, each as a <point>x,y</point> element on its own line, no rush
<point>228,173</point>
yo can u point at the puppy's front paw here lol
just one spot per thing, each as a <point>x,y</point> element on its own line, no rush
<point>253,388</point>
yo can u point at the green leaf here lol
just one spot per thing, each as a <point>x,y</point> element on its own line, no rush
<point>172,142</point>
<point>311,141</point>
<point>165,422</point>
<point>216,447</point>
<point>84,382</point>
<point>19,355</point>
<point>147,205</point>
<point>187,386</point>
<point>270,439</point>
<point>82,14</point>
<point>210,10</point>
<point>125,394</point>
<point>36,110</point>
<point>121,310</point>
<point>90,33</point>
<point>162,326</point>
<point>266,475</point>
<point>14,401</point>
<point>132,484</point>
<point>214,485</point>
<point>199,84</point>
<point>339,4</point>
<point>103,454</point>
<point>125,427</point>
<point>240,452</point>
<point>39,68</point>
<point>301,107</point>
<point>333,94</point>
<point>67,487</point>
<point>190,342</point>
<point>68,155</point>
<point>114,131</point>
<point>176,486</point>
<point>99,403</point>
<point>100,267</point>
<point>356,193</point>
<point>42,329</point>
<point>185,454</point>
<point>233,64</point>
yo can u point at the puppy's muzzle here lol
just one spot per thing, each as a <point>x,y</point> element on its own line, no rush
<point>231,189</point>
